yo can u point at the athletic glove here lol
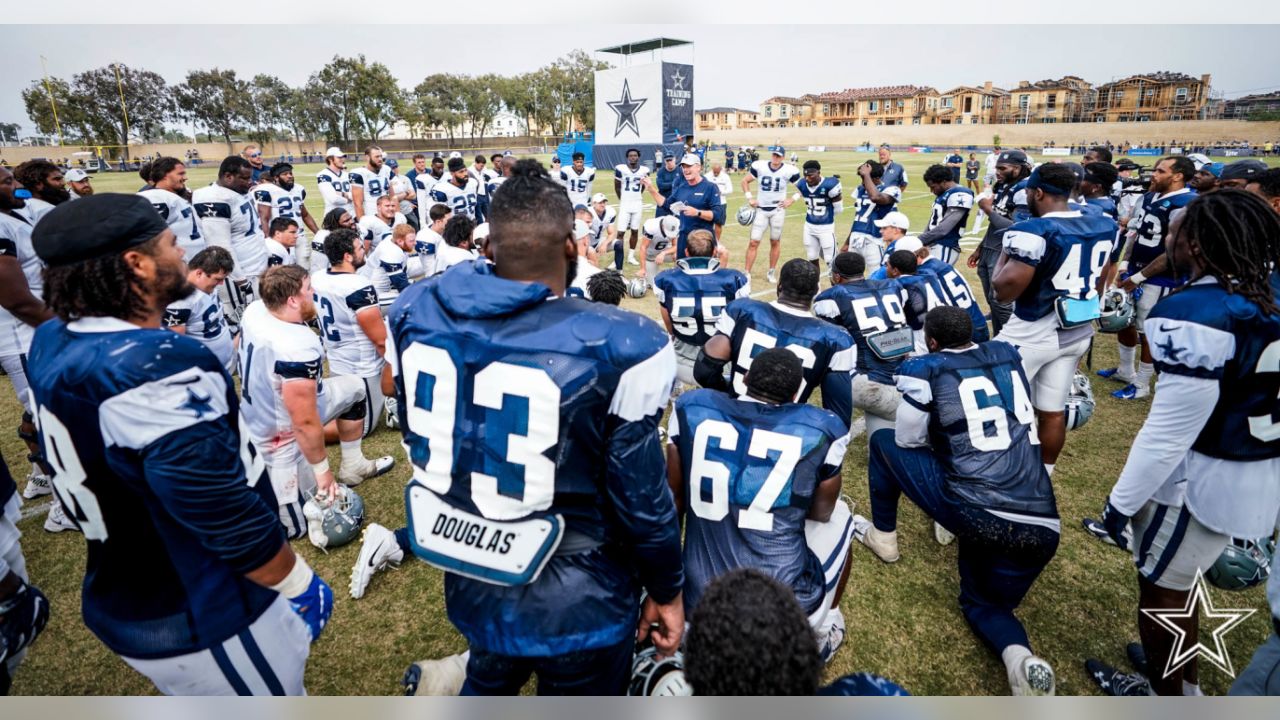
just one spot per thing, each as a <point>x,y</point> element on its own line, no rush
<point>314,605</point>
<point>22,616</point>
<point>1115,522</point>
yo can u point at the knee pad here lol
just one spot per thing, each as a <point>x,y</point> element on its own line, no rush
<point>357,411</point>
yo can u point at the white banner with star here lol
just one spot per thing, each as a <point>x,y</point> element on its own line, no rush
<point>629,103</point>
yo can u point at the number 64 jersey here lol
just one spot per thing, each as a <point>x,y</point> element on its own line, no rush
<point>538,477</point>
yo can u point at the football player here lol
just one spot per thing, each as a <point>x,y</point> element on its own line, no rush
<point>332,220</point>
<point>964,450</point>
<point>823,198</point>
<point>168,195</point>
<point>606,287</point>
<point>1051,271</point>
<point>1096,188</point>
<point>746,326</point>
<point>189,578</point>
<point>875,201</point>
<point>376,228</point>
<point>1203,468</point>
<point>459,191</point>
<point>429,239</point>
<point>333,181</point>
<point>46,185</point>
<point>502,165</point>
<point>504,368</point>
<point>793,527</point>
<point>370,182</point>
<point>24,610</point>
<point>282,241</point>
<point>457,247</point>
<point>775,177</point>
<point>577,179</point>
<point>602,230</point>
<point>350,324</point>
<point>873,312</point>
<point>1145,266</point>
<point>691,297</point>
<point>658,245</point>
<point>480,175</point>
<point>950,211</point>
<point>1267,187</point>
<point>393,264</point>
<point>281,197</point>
<point>286,404</point>
<point>423,184</point>
<point>199,314</point>
<point>926,290</point>
<point>628,185</point>
<point>1007,198</point>
<point>586,267</point>
<point>229,219</point>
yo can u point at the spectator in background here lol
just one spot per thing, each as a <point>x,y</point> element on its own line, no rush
<point>971,169</point>
<point>720,177</point>
<point>78,183</point>
<point>955,162</point>
<point>403,192</point>
<point>894,174</point>
<point>993,158</point>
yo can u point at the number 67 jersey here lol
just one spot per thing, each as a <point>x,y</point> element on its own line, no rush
<point>531,425</point>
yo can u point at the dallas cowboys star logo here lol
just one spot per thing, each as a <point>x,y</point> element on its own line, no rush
<point>626,108</point>
<point>197,404</point>
<point>1169,349</point>
<point>1199,602</point>
<point>678,80</point>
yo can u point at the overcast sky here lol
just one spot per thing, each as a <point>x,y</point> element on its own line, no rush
<point>731,68</point>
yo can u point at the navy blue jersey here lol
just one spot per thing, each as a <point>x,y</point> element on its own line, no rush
<point>867,213</point>
<point>517,407</point>
<point>7,486</point>
<point>1068,251</point>
<point>1105,205</point>
<point>866,308</point>
<point>149,462</point>
<point>664,179</point>
<point>956,197</point>
<point>750,472</point>
<point>982,426</point>
<point>695,293</point>
<point>1205,332</point>
<point>820,200</point>
<point>752,326</point>
<point>1154,220</point>
<point>955,291</point>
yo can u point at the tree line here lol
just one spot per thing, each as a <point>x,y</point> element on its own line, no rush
<point>350,99</point>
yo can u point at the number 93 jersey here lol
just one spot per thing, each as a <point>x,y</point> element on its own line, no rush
<point>1153,222</point>
<point>694,293</point>
<point>981,426</point>
<point>750,471</point>
<point>752,326</point>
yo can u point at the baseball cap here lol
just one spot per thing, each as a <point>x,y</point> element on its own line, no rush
<point>894,219</point>
<point>910,242</point>
<point>690,159</point>
<point>1126,164</point>
<point>1213,168</point>
<point>455,154</point>
<point>75,175</point>
<point>1243,170</point>
<point>668,155</point>
<point>392,163</point>
<point>334,152</point>
<point>599,197</point>
<point>580,229</point>
<point>580,206</point>
<point>1200,159</point>
<point>1012,157</point>
<point>780,151</point>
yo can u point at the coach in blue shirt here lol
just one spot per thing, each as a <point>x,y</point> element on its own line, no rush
<point>696,201</point>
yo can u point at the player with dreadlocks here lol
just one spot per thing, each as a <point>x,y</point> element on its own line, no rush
<point>1216,344</point>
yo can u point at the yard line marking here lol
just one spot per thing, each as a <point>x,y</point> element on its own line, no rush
<point>32,509</point>
<point>859,427</point>
<point>764,292</point>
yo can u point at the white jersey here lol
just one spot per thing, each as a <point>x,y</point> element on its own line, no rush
<point>319,262</point>
<point>390,268</point>
<point>335,189</point>
<point>339,298</point>
<point>374,185</point>
<point>178,214</point>
<point>201,314</point>
<point>492,184</point>
<point>447,256</point>
<point>774,183</point>
<point>283,203</point>
<point>461,200</point>
<point>15,242</point>
<point>429,241</point>
<point>600,224</point>
<point>578,184</point>
<point>36,209</point>
<point>373,229</point>
<point>657,240</point>
<point>403,186</point>
<point>632,182</point>
<point>274,352</point>
<point>278,254</point>
<point>423,184</point>
<point>230,220</point>
<point>586,269</point>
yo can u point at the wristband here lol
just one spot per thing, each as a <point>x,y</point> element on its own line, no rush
<point>321,467</point>
<point>795,197</point>
<point>1138,278</point>
<point>748,194</point>
<point>1122,266</point>
<point>297,581</point>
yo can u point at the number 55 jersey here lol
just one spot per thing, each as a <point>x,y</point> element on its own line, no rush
<point>538,476</point>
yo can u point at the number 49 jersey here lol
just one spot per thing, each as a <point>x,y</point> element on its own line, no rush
<point>752,326</point>
<point>695,292</point>
<point>751,470</point>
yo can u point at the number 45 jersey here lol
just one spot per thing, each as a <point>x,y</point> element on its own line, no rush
<point>538,477</point>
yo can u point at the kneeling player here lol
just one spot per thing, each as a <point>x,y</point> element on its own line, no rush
<point>199,314</point>
<point>793,525</point>
<point>658,244</point>
<point>981,480</point>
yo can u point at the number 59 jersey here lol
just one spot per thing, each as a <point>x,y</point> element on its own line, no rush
<point>981,426</point>
<point>750,471</point>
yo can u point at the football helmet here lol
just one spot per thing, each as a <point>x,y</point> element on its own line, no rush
<point>1117,311</point>
<point>1080,402</point>
<point>1243,564</point>
<point>1199,160</point>
<point>670,226</point>
<point>336,523</point>
<point>652,676</point>
<point>746,215</point>
<point>637,287</point>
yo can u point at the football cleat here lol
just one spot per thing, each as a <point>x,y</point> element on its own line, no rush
<point>1033,678</point>
<point>355,472</point>
<point>57,520</point>
<point>1137,657</point>
<point>772,275</point>
<point>631,258</point>
<point>1099,531</point>
<point>942,535</point>
<point>1131,392</point>
<point>37,486</point>
<point>832,636</point>
<point>377,550</point>
<point>652,676</point>
<point>441,678</point>
<point>883,544</point>
<point>1113,682</point>
<point>334,523</point>
<point>1115,374</point>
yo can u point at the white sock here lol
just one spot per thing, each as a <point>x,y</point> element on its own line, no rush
<point>1048,467</point>
<point>1189,689</point>
<point>1014,655</point>
<point>1145,371</point>
<point>351,451</point>
<point>1126,359</point>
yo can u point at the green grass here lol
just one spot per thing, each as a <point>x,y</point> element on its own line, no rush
<point>903,619</point>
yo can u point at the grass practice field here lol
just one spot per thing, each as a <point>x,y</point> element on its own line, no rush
<point>903,619</point>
